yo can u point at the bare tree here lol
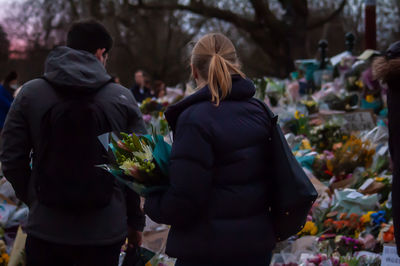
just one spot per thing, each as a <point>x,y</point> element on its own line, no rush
<point>275,36</point>
<point>152,40</point>
<point>4,45</point>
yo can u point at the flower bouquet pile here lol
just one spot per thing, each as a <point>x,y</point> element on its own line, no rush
<point>142,162</point>
<point>349,225</point>
<point>339,165</point>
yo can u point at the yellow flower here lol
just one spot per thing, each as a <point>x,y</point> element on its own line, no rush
<point>297,115</point>
<point>356,234</point>
<point>366,218</point>
<point>309,229</point>
<point>306,144</point>
<point>370,98</point>
<point>314,230</point>
<point>359,83</point>
<point>379,179</point>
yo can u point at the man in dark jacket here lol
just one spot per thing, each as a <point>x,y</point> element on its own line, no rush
<point>58,236</point>
<point>140,90</point>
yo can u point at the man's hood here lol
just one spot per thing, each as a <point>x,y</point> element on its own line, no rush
<point>75,69</point>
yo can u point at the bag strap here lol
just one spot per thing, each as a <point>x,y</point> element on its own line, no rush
<point>273,117</point>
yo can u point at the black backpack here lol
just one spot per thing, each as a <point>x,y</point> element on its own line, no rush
<point>64,169</point>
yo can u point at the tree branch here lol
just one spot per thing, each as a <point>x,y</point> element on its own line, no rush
<point>265,16</point>
<point>74,10</point>
<point>95,9</point>
<point>325,20</point>
<point>199,8</point>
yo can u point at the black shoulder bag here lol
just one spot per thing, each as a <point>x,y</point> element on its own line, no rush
<point>293,194</point>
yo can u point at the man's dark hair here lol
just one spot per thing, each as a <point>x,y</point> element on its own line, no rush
<point>10,77</point>
<point>89,35</point>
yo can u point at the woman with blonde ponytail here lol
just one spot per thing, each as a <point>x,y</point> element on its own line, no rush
<point>218,197</point>
<point>387,69</point>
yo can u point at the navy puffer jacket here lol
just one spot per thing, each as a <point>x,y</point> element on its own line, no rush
<point>217,204</point>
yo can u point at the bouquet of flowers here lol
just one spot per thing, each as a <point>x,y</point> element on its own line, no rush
<point>151,106</point>
<point>346,157</point>
<point>299,125</point>
<point>349,225</point>
<point>142,162</point>
<point>324,136</point>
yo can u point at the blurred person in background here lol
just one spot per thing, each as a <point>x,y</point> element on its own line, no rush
<point>7,90</point>
<point>160,90</point>
<point>387,69</point>
<point>141,89</point>
<point>115,79</point>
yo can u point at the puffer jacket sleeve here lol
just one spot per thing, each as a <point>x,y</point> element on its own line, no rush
<point>394,145</point>
<point>191,165</point>
<point>16,147</point>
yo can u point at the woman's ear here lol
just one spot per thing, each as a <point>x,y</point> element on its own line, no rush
<point>195,72</point>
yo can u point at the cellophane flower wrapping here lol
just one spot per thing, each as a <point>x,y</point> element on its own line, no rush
<point>141,161</point>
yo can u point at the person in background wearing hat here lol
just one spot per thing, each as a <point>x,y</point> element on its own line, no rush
<point>387,69</point>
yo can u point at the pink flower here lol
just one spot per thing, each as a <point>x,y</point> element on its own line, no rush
<point>122,145</point>
<point>147,118</point>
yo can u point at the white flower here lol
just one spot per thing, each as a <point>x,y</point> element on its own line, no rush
<point>146,155</point>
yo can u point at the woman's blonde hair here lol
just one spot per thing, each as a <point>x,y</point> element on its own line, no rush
<point>214,56</point>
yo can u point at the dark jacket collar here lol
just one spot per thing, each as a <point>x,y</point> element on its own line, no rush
<point>242,89</point>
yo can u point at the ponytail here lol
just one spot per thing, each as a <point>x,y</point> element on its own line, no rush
<point>215,58</point>
<point>219,78</point>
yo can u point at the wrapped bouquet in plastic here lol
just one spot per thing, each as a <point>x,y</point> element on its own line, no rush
<point>141,161</point>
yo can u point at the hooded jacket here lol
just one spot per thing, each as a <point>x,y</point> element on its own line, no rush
<point>82,73</point>
<point>217,203</point>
